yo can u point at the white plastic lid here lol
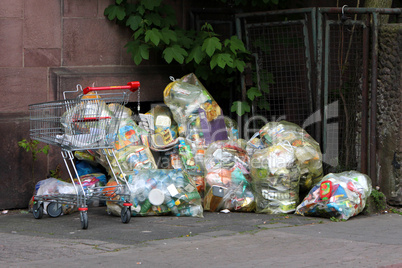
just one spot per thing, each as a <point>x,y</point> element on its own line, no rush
<point>156,197</point>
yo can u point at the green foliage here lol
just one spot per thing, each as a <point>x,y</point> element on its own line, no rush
<point>32,146</point>
<point>336,219</point>
<point>379,199</point>
<point>211,57</point>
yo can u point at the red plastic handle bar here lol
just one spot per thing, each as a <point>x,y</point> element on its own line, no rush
<point>91,119</point>
<point>132,86</point>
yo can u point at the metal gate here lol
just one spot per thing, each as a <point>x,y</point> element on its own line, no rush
<point>312,67</point>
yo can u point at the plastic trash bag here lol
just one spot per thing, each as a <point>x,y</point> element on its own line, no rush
<point>232,129</point>
<point>162,192</point>
<point>80,130</point>
<point>307,150</point>
<point>161,127</point>
<point>339,195</point>
<point>133,157</point>
<point>128,134</point>
<point>275,178</point>
<point>54,187</point>
<point>187,97</point>
<point>227,182</point>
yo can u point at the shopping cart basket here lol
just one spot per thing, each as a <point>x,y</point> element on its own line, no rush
<point>89,121</point>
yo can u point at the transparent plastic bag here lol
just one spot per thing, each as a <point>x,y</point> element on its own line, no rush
<point>162,192</point>
<point>307,150</point>
<point>340,195</point>
<point>227,182</point>
<point>54,187</point>
<point>275,178</point>
<point>186,98</point>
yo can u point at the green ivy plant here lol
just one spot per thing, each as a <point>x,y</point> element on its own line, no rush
<point>204,52</point>
<point>32,146</point>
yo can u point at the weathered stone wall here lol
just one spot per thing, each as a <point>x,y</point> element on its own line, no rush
<point>389,118</point>
<point>47,47</point>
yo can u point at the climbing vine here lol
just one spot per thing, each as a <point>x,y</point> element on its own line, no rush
<point>204,52</point>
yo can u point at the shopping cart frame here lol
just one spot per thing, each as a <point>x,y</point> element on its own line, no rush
<point>79,124</point>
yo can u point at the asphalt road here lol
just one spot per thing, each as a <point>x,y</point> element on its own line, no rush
<point>217,240</point>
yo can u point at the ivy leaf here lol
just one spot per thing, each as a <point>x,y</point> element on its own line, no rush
<point>138,51</point>
<point>168,35</point>
<point>235,44</point>
<point>134,22</point>
<point>151,4</point>
<point>113,12</point>
<point>239,64</point>
<point>253,92</point>
<point>170,16</point>
<point>138,33</point>
<point>240,107</point>
<point>174,52</point>
<point>154,18</point>
<point>153,35</point>
<point>210,45</point>
<point>221,59</point>
<point>263,104</point>
<point>119,2</point>
<point>196,54</point>
<point>185,38</point>
<point>141,10</point>
<point>207,27</point>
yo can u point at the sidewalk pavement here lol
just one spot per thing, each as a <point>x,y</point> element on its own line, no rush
<point>217,240</point>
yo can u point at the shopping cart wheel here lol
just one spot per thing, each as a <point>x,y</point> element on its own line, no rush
<point>38,210</point>
<point>54,209</point>
<point>84,219</point>
<point>125,215</point>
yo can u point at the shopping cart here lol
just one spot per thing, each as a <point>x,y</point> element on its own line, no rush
<point>88,122</point>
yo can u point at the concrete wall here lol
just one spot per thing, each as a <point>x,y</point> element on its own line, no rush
<point>47,47</point>
<point>389,129</point>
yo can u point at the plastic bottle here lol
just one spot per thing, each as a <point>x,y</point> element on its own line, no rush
<point>191,211</point>
<point>199,160</point>
<point>171,204</point>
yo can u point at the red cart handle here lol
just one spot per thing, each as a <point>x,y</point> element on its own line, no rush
<point>132,86</point>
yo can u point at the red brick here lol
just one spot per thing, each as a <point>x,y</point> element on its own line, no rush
<point>11,8</point>
<point>17,184</point>
<point>79,8</point>
<point>42,57</point>
<point>11,43</point>
<point>21,87</point>
<point>42,24</point>
<point>92,42</point>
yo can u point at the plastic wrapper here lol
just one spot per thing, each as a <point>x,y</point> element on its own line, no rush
<point>339,195</point>
<point>128,134</point>
<point>53,186</point>
<point>120,110</point>
<point>191,164</point>
<point>86,156</point>
<point>254,144</point>
<point>84,167</point>
<point>307,150</point>
<point>131,158</point>
<point>162,192</point>
<point>188,99</point>
<point>227,182</point>
<point>232,129</point>
<point>276,177</point>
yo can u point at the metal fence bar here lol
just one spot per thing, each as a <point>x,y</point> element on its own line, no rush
<point>373,110</point>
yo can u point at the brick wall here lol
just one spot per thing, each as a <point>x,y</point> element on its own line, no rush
<point>47,47</point>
